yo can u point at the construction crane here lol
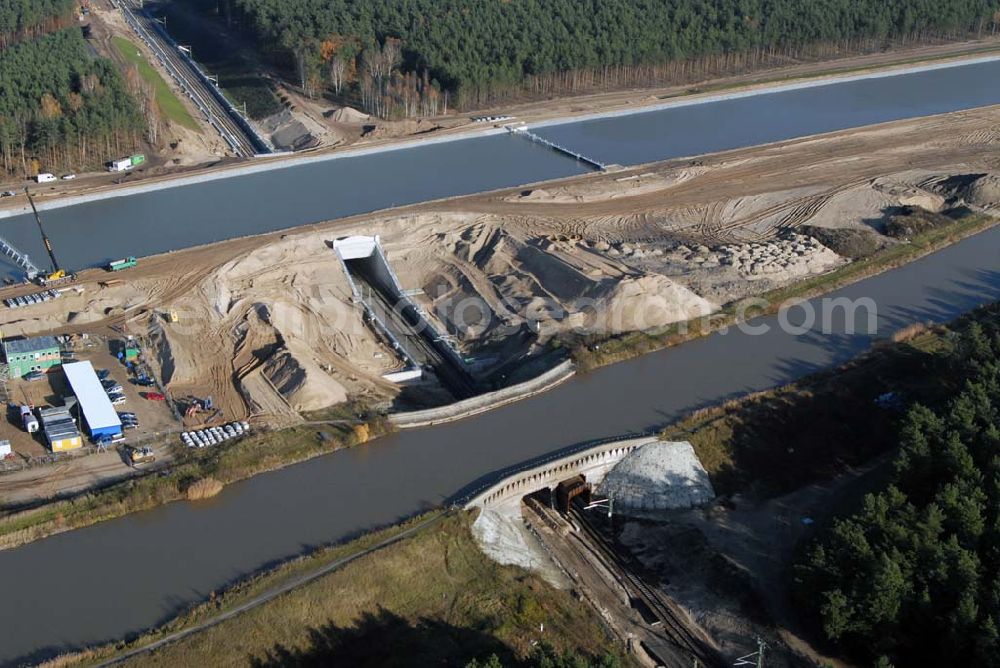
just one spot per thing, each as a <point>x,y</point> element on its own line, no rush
<point>58,273</point>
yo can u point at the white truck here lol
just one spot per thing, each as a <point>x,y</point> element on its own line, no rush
<point>45,177</point>
<point>122,165</point>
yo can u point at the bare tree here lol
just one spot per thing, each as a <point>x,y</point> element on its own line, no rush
<point>338,72</point>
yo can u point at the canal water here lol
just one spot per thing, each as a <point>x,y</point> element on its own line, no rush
<point>147,223</point>
<point>79,588</point>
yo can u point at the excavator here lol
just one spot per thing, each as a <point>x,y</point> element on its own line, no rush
<point>57,273</point>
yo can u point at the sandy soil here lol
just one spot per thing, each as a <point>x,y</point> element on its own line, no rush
<point>267,325</point>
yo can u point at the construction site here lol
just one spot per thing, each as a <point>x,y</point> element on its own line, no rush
<point>437,302</point>
<point>566,520</point>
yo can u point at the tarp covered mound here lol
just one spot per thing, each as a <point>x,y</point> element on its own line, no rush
<point>658,476</point>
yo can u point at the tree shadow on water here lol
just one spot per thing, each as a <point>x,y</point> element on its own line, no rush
<point>384,639</point>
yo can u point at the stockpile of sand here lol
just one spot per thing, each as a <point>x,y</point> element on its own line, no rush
<point>504,538</point>
<point>349,115</point>
<point>556,282</point>
<point>984,192</point>
<point>608,189</point>
<point>648,302</point>
<point>658,476</point>
<point>788,259</point>
<point>295,132</point>
<point>178,362</point>
<point>303,384</point>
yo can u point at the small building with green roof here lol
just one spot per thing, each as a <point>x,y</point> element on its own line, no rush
<point>39,353</point>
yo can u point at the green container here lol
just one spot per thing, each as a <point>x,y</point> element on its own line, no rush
<point>137,159</point>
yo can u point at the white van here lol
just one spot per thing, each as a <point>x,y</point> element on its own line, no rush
<point>45,177</point>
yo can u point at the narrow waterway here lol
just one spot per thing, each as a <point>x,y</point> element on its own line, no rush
<point>78,588</point>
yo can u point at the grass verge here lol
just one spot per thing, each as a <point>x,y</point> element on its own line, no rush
<point>433,598</point>
<point>170,105</point>
<point>264,451</point>
<point>598,351</point>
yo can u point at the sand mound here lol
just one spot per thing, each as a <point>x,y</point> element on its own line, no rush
<point>304,385</point>
<point>295,132</point>
<point>984,192</point>
<point>904,194</point>
<point>608,189</point>
<point>178,361</point>
<point>648,302</point>
<point>349,115</point>
<point>794,257</point>
<point>658,476</point>
<point>504,538</point>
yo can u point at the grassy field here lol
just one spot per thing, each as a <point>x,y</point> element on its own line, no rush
<point>593,353</point>
<point>169,104</point>
<point>776,441</point>
<point>431,599</point>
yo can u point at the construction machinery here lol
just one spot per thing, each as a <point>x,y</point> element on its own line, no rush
<point>140,454</point>
<point>57,273</point>
<point>196,405</point>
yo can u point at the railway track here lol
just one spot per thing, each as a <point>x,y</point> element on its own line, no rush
<point>417,343</point>
<point>673,625</point>
<point>218,112</point>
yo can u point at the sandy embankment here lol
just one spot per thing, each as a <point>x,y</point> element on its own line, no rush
<point>268,327</point>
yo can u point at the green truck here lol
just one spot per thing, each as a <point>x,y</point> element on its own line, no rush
<point>124,263</point>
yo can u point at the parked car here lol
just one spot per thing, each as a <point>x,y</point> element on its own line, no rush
<point>7,193</point>
<point>68,177</point>
<point>32,376</point>
<point>154,396</point>
<point>120,399</point>
<point>115,389</point>
<point>102,374</point>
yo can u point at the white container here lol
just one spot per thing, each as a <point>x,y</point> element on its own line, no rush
<point>45,177</point>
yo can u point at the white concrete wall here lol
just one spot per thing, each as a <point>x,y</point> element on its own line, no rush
<point>593,463</point>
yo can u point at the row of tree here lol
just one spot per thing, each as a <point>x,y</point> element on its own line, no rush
<point>484,51</point>
<point>63,109</point>
<point>913,578</point>
<point>26,19</point>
